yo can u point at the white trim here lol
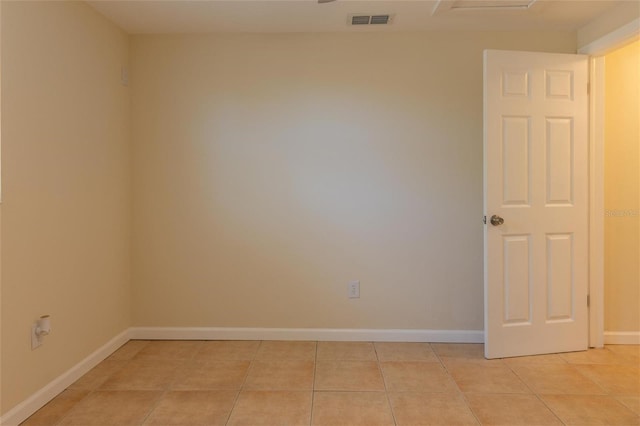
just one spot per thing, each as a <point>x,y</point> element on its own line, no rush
<point>613,40</point>
<point>319,334</point>
<point>622,337</point>
<point>26,408</point>
<point>36,401</point>
<point>596,204</point>
<point>597,49</point>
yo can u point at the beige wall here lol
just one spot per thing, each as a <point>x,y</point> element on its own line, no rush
<point>608,22</point>
<point>66,189</point>
<point>270,170</point>
<point>622,189</point>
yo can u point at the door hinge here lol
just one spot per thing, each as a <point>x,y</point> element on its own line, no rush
<point>588,301</point>
<point>484,220</point>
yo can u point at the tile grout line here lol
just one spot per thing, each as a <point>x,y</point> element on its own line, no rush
<point>181,363</point>
<point>239,391</point>
<point>94,390</point>
<point>538,397</point>
<point>59,422</point>
<point>184,363</point>
<point>384,383</point>
<point>596,382</point>
<point>464,397</point>
<point>313,385</point>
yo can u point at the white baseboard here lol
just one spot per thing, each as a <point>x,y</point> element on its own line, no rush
<point>36,401</point>
<point>29,406</point>
<point>26,408</point>
<point>622,337</point>
<point>321,334</point>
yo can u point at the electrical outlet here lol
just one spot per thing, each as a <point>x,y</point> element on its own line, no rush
<point>36,340</point>
<point>124,76</point>
<point>40,329</point>
<point>354,290</point>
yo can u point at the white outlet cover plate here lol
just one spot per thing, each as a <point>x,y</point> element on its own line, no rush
<point>354,289</point>
<point>35,339</point>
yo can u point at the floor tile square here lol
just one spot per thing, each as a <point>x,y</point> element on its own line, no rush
<point>416,377</point>
<point>280,375</point>
<point>351,408</point>
<point>451,353</point>
<point>169,350</point>
<point>417,409</point>
<point>254,408</point>
<point>128,350</point>
<point>583,410</point>
<point>348,376</point>
<point>227,350</point>
<point>112,408</point>
<point>459,350</point>
<point>535,359</point>
<point>401,351</point>
<point>211,375</point>
<point>180,408</point>
<point>143,375</point>
<point>556,379</point>
<point>511,410</point>
<point>613,378</point>
<point>630,353</point>
<point>286,350</point>
<point>593,356</point>
<point>631,402</point>
<point>99,374</point>
<point>56,409</point>
<point>349,351</point>
<point>485,378</point>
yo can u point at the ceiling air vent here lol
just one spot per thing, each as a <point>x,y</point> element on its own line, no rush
<point>360,20</point>
<point>370,19</point>
<point>379,20</point>
<point>480,5</point>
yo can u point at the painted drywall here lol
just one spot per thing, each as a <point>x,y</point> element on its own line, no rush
<point>622,189</point>
<point>616,18</point>
<point>271,170</point>
<point>65,186</point>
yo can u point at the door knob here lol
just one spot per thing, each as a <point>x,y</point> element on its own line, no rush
<point>496,220</point>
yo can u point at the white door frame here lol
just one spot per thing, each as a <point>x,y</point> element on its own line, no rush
<point>597,49</point>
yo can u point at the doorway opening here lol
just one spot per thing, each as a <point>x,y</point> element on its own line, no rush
<point>614,230</point>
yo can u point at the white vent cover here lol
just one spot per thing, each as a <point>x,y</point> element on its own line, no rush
<point>480,5</point>
<point>363,19</point>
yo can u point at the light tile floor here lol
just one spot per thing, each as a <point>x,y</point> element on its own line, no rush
<point>188,383</point>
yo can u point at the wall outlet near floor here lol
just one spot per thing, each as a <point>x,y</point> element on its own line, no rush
<point>354,289</point>
<point>40,329</point>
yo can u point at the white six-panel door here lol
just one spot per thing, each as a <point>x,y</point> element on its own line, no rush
<point>536,177</point>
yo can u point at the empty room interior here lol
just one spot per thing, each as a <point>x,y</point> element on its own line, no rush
<point>271,212</point>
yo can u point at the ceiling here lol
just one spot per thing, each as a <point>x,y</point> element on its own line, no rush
<point>207,16</point>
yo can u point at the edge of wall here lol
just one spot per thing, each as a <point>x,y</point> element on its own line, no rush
<point>622,337</point>
<point>319,334</point>
<point>26,408</point>
<point>604,44</point>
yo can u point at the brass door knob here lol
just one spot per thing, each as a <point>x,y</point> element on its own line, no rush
<point>496,220</point>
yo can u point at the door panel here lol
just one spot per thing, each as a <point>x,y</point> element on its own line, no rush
<point>560,172</point>
<point>517,280</point>
<point>515,160</point>
<point>560,283</point>
<point>536,170</point>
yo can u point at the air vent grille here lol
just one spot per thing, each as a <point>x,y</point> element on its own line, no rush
<point>370,19</point>
<point>360,20</point>
<point>379,19</point>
